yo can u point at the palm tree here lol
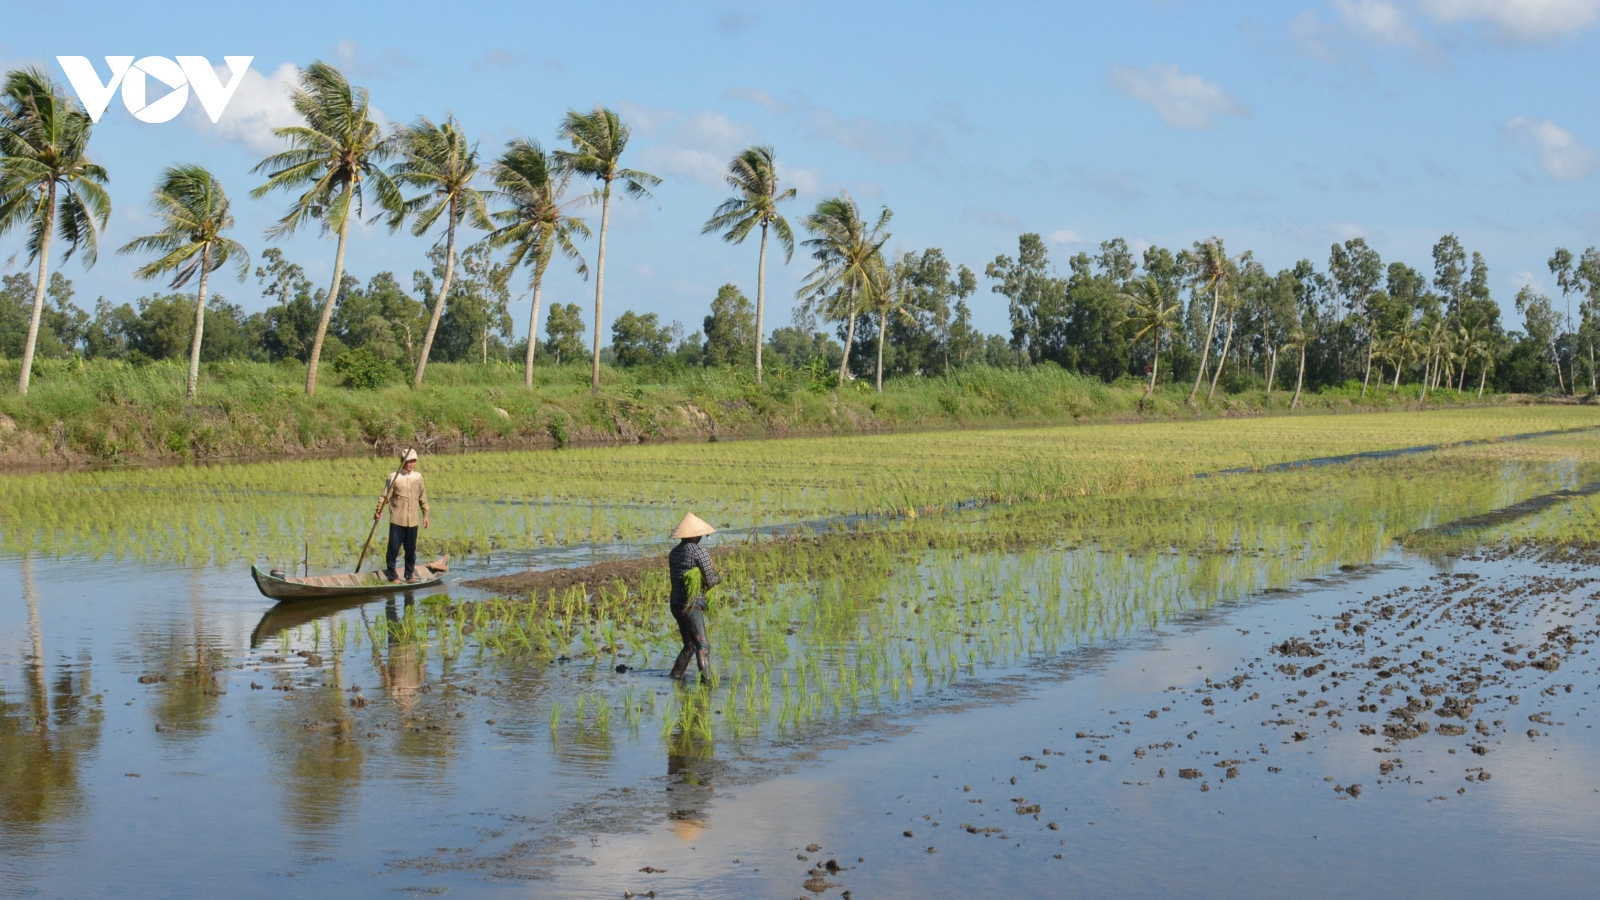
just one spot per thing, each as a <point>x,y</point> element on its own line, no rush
<point>888,296</point>
<point>848,256</point>
<point>537,224</point>
<point>1299,339</point>
<point>1152,315</point>
<point>437,160</point>
<point>598,139</point>
<point>194,210</point>
<point>1214,271</point>
<point>334,155</point>
<point>754,174</point>
<point>48,186</point>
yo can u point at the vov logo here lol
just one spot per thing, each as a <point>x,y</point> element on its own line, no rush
<point>134,77</point>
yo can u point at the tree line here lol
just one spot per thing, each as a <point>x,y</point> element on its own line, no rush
<point>1198,316</point>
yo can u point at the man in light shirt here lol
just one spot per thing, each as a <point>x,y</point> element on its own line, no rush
<point>407,500</point>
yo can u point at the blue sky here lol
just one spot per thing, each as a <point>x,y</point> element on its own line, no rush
<point>1281,127</point>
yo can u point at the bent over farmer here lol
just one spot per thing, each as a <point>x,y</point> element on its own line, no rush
<point>407,500</point>
<point>690,611</point>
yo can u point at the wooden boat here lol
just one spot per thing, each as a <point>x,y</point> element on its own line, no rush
<point>325,587</point>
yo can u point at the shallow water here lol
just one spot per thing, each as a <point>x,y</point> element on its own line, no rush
<point>159,736</point>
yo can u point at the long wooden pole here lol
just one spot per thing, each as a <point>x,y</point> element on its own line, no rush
<point>387,493</point>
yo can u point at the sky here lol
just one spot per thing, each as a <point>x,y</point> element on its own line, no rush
<point>1281,127</point>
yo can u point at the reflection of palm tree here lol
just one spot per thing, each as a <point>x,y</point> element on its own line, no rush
<point>754,174</point>
<point>38,691</point>
<point>42,744</point>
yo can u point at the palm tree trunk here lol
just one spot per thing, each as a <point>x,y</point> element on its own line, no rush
<point>1300,379</point>
<point>438,302</point>
<point>1483,377</point>
<point>761,300</point>
<point>1593,386</point>
<point>1272,370</point>
<point>38,291</point>
<point>199,321</point>
<point>849,337</point>
<point>1398,365</point>
<point>1205,352</point>
<point>600,284</point>
<point>1367,377</point>
<point>327,309</point>
<point>533,329</point>
<point>1155,365</point>
<point>1221,359</point>
<point>883,325</point>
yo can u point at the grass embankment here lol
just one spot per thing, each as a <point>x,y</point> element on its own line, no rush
<point>111,411</point>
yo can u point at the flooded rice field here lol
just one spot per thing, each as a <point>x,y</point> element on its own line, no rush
<point>1362,678</point>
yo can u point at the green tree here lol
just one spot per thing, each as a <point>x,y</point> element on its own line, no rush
<point>537,224</point>
<point>850,263</point>
<point>48,186</point>
<point>62,325</point>
<point>754,174</point>
<point>437,160</point>
<point>728,329</point>
<point>598,139</point>
<point>563,330</point>
<point>640,340</point>
<point>336,158</point>
<point>1542,323</point>
<point>194,212</point>
<point>1153,313</point>
<point>1357,270</point>
<point>382,318</point>
<point>1033,293</point>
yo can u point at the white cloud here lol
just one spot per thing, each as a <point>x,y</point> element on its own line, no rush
<point>805,180</point>
<point>1065,236</point>
<point>694,147</point>
<point>1519,20</point>
<point>886,142</point>
<point>356,60</point>
<point>1182,101</point>
<point>259,105</point>
<point>1561,154</point>
<point>1380,22</point>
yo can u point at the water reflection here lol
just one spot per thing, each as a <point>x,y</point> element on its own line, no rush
<point>45,739</point>
<point>690,762</point>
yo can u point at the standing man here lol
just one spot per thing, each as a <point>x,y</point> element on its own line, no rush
<point>687,604</point>
<point>407,500</point>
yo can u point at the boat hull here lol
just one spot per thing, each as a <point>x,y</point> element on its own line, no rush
<point>326,587</point>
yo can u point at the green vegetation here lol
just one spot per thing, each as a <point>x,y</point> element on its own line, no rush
<point>492,502</point>
<point>816,630</point>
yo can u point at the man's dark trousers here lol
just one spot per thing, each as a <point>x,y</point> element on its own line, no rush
<point>401,536</point>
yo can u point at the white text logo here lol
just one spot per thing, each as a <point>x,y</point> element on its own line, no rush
<point>134,77</point>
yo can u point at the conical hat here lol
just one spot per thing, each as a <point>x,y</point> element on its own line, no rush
<point>692,526</point>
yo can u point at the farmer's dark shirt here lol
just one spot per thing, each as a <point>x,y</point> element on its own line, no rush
<point>684,557</point>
